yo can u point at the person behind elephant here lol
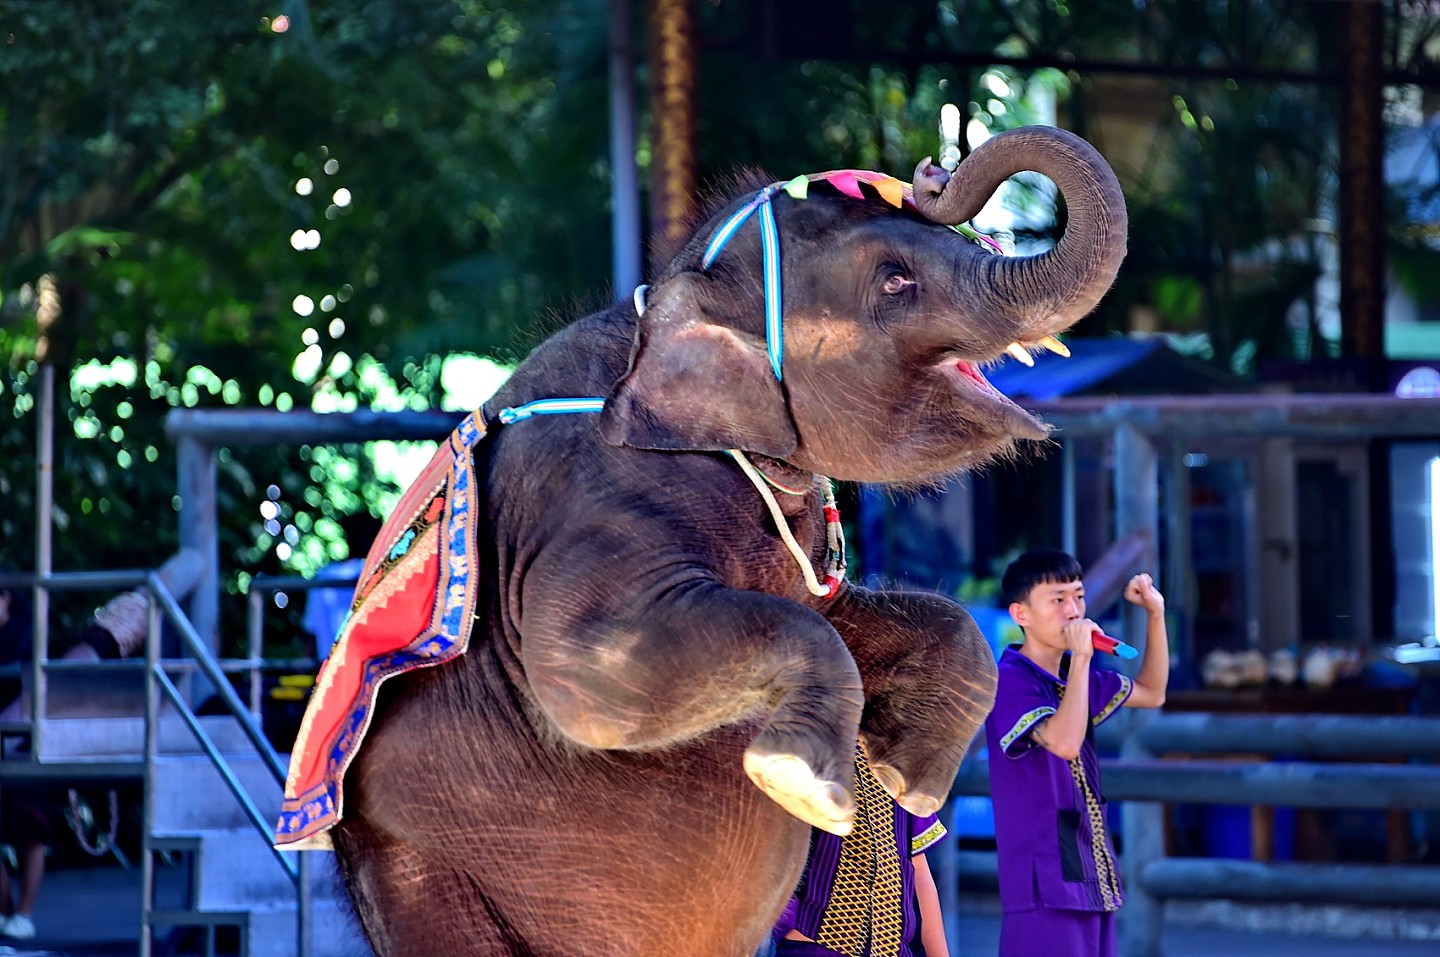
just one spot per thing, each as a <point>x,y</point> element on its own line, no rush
<point>1059,883</point>
<point>870,893</point>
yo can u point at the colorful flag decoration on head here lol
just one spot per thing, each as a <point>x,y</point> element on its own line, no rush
<point>890,190</point>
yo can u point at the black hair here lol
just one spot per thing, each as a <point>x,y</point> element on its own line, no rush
<point>1038,567</point>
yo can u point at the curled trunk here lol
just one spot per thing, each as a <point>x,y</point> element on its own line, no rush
<point>1055,288</point>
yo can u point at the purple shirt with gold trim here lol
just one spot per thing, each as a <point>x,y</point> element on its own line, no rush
<point>1054,848</point>
<point>856,897</point>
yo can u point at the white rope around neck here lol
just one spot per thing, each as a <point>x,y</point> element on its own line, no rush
<point>836,545</point>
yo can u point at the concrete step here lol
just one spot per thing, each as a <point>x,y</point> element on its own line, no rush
<point>235,869</point>
<point>270,930</point>
<point>104,692</point>
<point>188,793</point>
<point>77,740</point>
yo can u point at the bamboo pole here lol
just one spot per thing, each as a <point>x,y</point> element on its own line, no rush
<point>672,105</point>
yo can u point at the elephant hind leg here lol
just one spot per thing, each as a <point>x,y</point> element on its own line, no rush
<point>409,907</point>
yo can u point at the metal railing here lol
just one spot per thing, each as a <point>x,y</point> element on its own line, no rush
<point>258,588</point>
<point>163,607</point>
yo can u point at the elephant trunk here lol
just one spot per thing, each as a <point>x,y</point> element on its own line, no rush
<point>1036,296</point>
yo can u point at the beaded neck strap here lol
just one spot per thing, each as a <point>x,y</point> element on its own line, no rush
<point>834,532</point>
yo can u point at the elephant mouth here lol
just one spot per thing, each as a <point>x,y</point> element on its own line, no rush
<point>987,404</point>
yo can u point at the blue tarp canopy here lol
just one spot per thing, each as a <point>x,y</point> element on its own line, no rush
<point>1120,366</point>
<point>919,537</point>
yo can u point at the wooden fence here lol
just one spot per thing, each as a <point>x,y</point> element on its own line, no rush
<point>1141,779</point>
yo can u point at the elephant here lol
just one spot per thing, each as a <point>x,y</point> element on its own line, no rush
<point>656,704</point>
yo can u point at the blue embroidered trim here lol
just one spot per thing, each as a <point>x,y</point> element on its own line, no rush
<point>446,635</point>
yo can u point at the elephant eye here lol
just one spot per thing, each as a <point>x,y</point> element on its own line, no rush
<point>896,283</point>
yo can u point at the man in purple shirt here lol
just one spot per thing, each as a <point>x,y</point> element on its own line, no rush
<point>870,893</point>
<point>1059,883</point>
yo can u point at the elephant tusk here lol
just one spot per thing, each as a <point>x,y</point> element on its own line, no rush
<point>1020,353</point>
<point>1055,346</point>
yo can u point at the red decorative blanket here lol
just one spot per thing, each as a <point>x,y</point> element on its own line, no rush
<point>412,609</point>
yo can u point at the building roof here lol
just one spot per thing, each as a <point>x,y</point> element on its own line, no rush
<point>1111,366</point>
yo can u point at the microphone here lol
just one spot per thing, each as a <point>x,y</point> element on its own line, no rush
<point>1112,646</point>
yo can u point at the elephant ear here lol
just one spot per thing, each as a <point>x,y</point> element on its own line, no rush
<point>696,385</point>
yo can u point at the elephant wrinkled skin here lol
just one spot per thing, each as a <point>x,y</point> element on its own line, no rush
<point>654,707</point>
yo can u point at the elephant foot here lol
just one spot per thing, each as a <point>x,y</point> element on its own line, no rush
<point>921,793</point>
<point>912,800</point>
<point>789,782</point>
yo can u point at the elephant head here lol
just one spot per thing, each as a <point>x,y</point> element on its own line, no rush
<point>888,317</point>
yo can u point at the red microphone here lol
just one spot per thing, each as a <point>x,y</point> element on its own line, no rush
<point>1112,646</point>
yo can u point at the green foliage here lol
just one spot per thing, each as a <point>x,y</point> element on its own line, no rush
<point>153,158</point>
<point>978,592</point>
<point>311,211</point>
<point>1414,260</point>
<point>1225,191</point>
<point>445,122</point>
<point>1228,209</point>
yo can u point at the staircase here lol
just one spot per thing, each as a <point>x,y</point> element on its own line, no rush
<point>234,877</point>
<point>95,728</point>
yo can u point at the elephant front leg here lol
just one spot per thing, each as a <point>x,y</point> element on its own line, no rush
<point>640,671</point>
<point>929,683</point>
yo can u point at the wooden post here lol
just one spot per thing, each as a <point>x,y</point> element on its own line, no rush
<point>1141,920</point>
<point>1067,496</point>
<point>1362,189</point>
<point>200,533</point>
<point>1279,560</point>
<point>1137,497</point>
<point>1177,582</point>
<point>672,104</point>
<point>44,555</point>
<point>46,315</point>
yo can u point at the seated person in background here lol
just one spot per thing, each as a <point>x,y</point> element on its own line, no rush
<point>326,608</point>
<point>25,825</point>
<point>17,640</point>
<point>28,809</point>
<point>870,893</point>
<point>24,821</point>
